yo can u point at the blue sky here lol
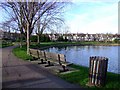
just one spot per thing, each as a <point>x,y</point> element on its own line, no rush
<point>90,16</point>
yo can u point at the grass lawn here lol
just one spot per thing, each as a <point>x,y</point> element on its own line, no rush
<point>71,43</point>
<point>3,45</point>
<point>79,77</point>
<point>21,53</point>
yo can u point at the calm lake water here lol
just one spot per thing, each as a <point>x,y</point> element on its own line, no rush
<point>80,55</point>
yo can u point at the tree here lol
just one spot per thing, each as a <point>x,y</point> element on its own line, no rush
<point>50,21</point>
<point>45,38</point>
<point>27,14</point>
<point>117,40</point>
<point>33,38</point>
<point>60,38</point>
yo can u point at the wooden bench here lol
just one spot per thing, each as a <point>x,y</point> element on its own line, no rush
<point>62,59</point>
<point>63,62</point>
<point>50,58</point>
<point>37,55</point>
<point>58,59</point>
<point>42,56</point>
<point>34,54</point>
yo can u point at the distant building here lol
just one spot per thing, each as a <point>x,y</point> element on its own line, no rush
<point>86,37</point>
<point>9,35</point>
<point>69,37</point>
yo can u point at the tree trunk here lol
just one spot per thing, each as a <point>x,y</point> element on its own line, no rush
<point>28,39</point>
<point>38,39</point>
<point>21,40</point>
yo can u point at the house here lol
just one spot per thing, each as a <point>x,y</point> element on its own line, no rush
<point>9,35</point>
<point>1,34</point>
<point>70,36</point>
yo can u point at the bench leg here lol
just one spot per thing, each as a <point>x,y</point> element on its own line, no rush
<point>34,58</point>
<point>64,69</point>
<point>42,62</point>
<point>49,64</point>
<point>31,59</point>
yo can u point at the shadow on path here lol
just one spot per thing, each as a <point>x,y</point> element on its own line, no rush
<point>22,74</point>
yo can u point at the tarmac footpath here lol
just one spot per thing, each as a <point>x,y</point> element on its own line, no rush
<point>17,73</point>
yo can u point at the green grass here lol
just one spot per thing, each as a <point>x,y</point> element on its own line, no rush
<point>21,53</point>
<point>44,44</point>
<point>81,76</point>
<point>78,77</point>
<point>3,45</point>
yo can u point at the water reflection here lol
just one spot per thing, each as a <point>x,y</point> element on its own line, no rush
<point>80,54</point>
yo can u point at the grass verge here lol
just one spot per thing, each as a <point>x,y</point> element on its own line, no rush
<point>21,53</point>
<point>46,44</point>
<point>79,77</point>
<point>5,45</point>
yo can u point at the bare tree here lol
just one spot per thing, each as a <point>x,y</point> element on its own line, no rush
<point>26,14</point>
<point>49,22</point>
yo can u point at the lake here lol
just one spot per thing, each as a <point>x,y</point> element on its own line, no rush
<point>80,55</point>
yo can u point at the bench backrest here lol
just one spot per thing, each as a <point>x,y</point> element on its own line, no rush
<point>42,54</point>
<point>54,56</point>
<point>62,57</point>
<point>48,55</point>
<point>51,55</point>
<point>34,52</point>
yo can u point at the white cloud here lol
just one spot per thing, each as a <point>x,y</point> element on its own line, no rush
<point>99,19</point>
<point>103,25</point>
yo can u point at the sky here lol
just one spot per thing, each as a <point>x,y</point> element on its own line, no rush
<point>92,16</point>
<point>89,16</point>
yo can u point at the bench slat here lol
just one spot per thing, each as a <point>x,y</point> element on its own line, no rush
<point>42,54</point>
<point>34,53</point>
<point>50,57</point>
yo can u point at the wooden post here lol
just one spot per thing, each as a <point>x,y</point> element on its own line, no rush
<point>97,71</point>
<point>65,58</point>
<point>45,56</point>
<point>59,59</point>
<point>63,68</point>
<point>49,63</point>
<point>28,39</point>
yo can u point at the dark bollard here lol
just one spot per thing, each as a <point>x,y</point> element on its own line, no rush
<point>42,62</point>
<point>49,64</point>
<point>64,69</point>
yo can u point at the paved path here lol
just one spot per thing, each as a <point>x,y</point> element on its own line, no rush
<point>22,74</point>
